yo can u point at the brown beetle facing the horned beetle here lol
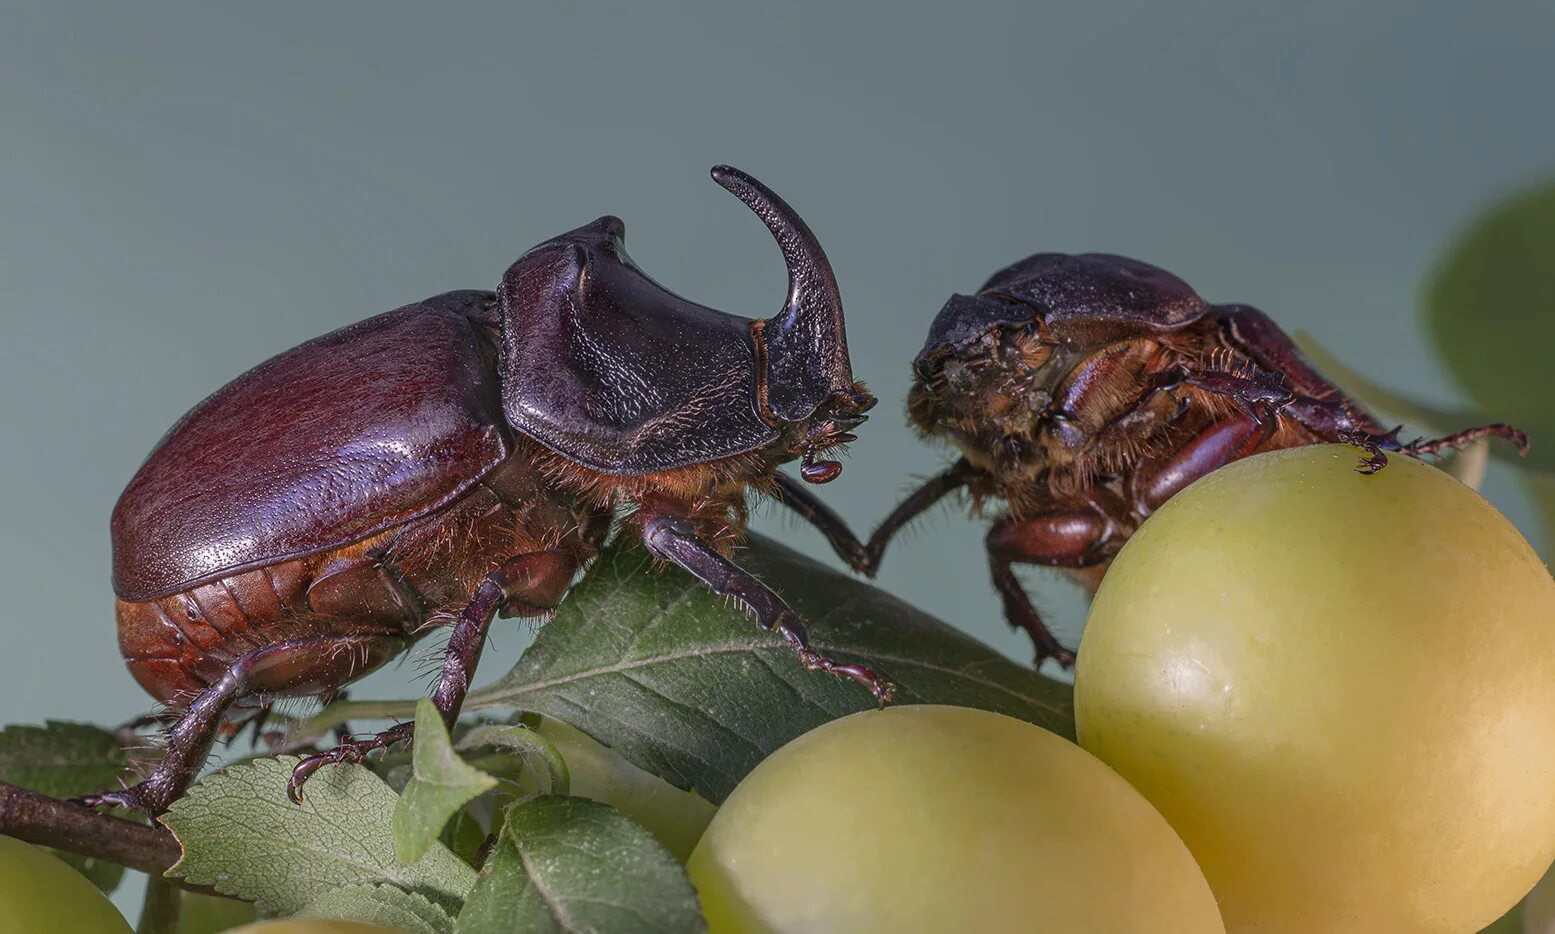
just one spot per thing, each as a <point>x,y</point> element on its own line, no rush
<point>464,457</point>
<point>1086,390</point>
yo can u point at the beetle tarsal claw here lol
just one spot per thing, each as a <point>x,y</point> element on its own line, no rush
<point>134,798</point>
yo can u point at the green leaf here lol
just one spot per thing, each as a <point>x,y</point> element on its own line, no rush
<point>653,664</point>
<point>241,835</point>
<point>1490,306</point>
<point>535,750</point>
<point>64,760</point>
<point>381,904</point>
<point>570,864</point>
<point>61,759</point>
<point>440,784</point>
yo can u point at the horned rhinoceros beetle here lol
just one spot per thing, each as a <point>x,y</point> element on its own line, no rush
<point>1086,390</point>
<point>465,456</point>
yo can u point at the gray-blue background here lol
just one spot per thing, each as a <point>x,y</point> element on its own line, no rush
<point>186,190</point>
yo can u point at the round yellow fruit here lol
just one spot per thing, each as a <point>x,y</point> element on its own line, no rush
<point>1339,689</point>
<point>313,926</point>
<point>38,892</point>
<point>943,819</point>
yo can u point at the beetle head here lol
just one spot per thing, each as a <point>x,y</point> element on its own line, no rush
<point>992,361</point>
<point>614,372</point>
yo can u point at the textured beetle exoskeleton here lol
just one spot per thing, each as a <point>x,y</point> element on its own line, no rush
<point>464,457</point>
<point>1084,391</point>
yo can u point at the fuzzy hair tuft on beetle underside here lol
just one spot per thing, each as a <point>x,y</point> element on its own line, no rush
<point>997,400</point>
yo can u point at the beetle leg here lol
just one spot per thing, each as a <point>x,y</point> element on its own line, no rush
<point>532,582</point>
<point>674,539</point>
<point>919,501</point>
<point>1322,408</point>
<point>1258,392</point>
<point>295,666</point>
<point>1374,445</point>
<point>254,723</point>
<point>1229,439</point>
<point>1072,539</point>
<point>156,718</point>
<point>1247,329</point>
<point>793,494</point>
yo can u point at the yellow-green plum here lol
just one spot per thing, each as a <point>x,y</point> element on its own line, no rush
<point>933,819</point>
<point>1340,690</point>
<point>38,892</point>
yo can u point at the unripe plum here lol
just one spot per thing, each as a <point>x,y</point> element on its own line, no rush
<point>1339,689</point>
<point>927,818</point>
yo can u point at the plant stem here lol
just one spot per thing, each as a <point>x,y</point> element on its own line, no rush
<point>45,821</point>
<point>37,818</point>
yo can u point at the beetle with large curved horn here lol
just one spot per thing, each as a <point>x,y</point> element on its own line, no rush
<point>464,457</point>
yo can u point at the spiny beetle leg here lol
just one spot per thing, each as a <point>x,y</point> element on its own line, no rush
<point>1257,392</point>
<point>254,723</point>
<point>354,750</point>
<point>528,583</point>
<point>1022,615</point>
<point>1421,447</point>
<point>674,539</point>
<point>842,540</point>
<point>273,668</point>
<point>933,490</point>
<point>1374,445</point>
<point>794,634</point>
<point>1069,535</point>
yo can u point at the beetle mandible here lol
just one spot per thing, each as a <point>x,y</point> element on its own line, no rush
<point>463,457</point>
<point>1086,390</point>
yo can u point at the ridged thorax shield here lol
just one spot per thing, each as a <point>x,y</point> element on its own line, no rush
<point>615,372</point>
<point>1064,287</point>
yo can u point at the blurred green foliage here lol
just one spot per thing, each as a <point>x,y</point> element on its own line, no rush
<point>1490,306</point>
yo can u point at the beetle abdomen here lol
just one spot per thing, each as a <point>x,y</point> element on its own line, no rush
<point>366,428</point>
<point>176,645</point>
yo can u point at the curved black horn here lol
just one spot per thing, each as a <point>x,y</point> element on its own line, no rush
<point>807,345</point>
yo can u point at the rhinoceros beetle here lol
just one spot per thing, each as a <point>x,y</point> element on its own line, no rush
<point>1086,390</point>
<point>462,457</point>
